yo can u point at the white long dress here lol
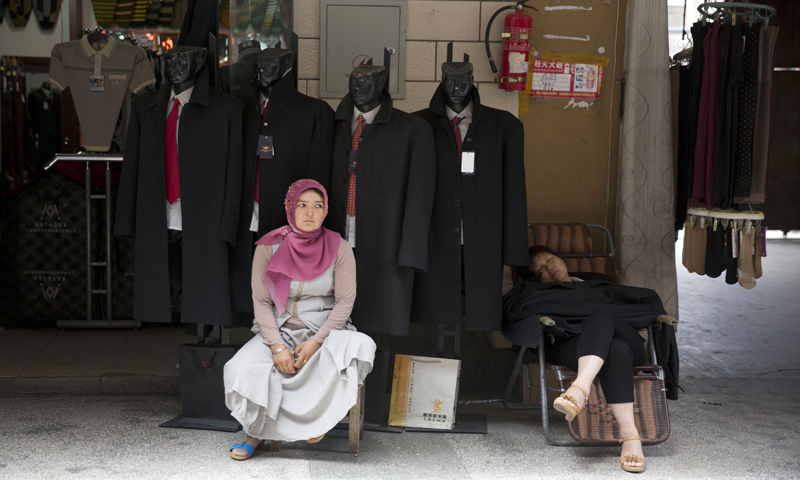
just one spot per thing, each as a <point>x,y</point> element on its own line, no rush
<point>275,406</point>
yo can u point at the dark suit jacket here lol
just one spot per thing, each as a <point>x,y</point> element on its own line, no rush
<point>493,208</point>
<point>395,181</point>
<point>210,159</point>
<point>302,132</point>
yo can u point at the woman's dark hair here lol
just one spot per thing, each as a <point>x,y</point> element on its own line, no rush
<point>540,249</point>
<point>315,190</point>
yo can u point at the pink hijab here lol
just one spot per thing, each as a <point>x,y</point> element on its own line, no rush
<point>301,255</point>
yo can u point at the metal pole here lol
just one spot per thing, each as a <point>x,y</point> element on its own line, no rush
<point>88,185</point>
<point>109,315</point>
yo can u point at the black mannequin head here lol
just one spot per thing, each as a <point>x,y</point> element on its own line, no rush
<point>183,65</point>
<point>366,86</point>
<point>271,65</point>
<point>457,84</point>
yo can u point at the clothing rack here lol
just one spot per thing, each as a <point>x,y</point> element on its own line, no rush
<point>762,12</point>
<point>738,218</point>
<point>109,322</point>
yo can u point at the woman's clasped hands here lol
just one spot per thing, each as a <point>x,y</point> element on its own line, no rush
<point>289,363</point>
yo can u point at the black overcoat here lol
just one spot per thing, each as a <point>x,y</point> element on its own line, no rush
<point>493,207</point>
<point>302,132</point>
<point>569,303</point>
<point>210,162</point>
<point>395,181</point>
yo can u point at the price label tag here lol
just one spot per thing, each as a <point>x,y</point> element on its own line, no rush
<point>468,163</point>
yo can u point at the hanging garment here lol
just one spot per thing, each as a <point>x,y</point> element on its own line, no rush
<point>151,17</point>
<point>3,4</point>
<point>757,270</point>
<point>703,187</point>
<point>715,262</point>
<point>746,253</point>
<point>396,182</point>
<point>767,44</point>
<point>732,76</point>
<point>165,13</point>
<point>682,138</point>
<point>743,158</point>
<point>123,13</point>
<point>46,12</point>
<point>210,158</point>
<point>694,248</point>
<point>139,14</point>
<point>121,68</point>
<point>200,20</point>
<point>301,129</point>
<point>732,263</point>
<point>104,12</point>
<point>698,62</point>
<point>485,212</point>
<point>19,11</point>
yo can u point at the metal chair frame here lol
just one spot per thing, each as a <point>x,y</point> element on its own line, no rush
<point>544,405</point>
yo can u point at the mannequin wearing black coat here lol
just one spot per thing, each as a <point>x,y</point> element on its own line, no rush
<point>302,132</point>
<point>210,159</point>
<point>491,204</point>
<point>395,187</point>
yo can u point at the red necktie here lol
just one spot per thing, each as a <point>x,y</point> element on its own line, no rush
<point>258,163</point>
<point>171,154</point>
<point>351,191</point>
<point>457,131</point>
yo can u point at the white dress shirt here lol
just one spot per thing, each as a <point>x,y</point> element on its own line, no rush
<point>350,225</point>
<point>174,217</point>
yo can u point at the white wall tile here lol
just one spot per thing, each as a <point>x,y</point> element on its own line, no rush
<point>477,57</point>
<point>487,10</point>
<point>442,20</point>
<point>494,97</point>
<point>421,61</point>
<point>306,18</point>
<point>418,96</point>
<point>308,61</point>
<point>302,86</point>
<point>313,88</point>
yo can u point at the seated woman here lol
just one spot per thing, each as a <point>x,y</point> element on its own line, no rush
<point>301,375</point>
<point>592,327</point>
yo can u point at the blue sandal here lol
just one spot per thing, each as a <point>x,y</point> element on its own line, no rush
<point>250,449</point>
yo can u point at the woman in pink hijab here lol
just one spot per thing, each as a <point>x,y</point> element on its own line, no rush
<point>300,373</point>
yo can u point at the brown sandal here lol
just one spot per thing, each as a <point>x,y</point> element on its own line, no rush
<point>561,405</point>
<point>631,458</point>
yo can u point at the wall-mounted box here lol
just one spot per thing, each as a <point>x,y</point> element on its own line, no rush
<point>354,31</point>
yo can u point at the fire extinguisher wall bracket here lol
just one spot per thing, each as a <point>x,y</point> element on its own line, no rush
<point>516,46</point>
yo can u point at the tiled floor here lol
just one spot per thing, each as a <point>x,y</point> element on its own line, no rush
<point>28,357</point>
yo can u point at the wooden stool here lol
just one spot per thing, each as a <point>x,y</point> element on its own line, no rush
<point>355,420</point>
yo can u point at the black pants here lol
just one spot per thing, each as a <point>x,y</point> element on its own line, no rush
<point>615,341</point>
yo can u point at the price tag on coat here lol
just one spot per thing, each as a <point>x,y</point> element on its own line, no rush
<point>468,163</point>
<point>265,147</point>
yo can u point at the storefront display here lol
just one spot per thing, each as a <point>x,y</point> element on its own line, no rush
<point>382,184</point>
<point>480,213</point>
<point>182,235</point>
<point>287,136</point>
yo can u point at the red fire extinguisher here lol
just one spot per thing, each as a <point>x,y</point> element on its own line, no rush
<point>516,46</point>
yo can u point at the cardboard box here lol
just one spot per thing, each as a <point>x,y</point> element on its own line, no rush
<point>497,340</point>
<point>532,394</point>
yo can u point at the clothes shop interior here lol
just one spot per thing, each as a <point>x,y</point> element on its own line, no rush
<point>169,298</point>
